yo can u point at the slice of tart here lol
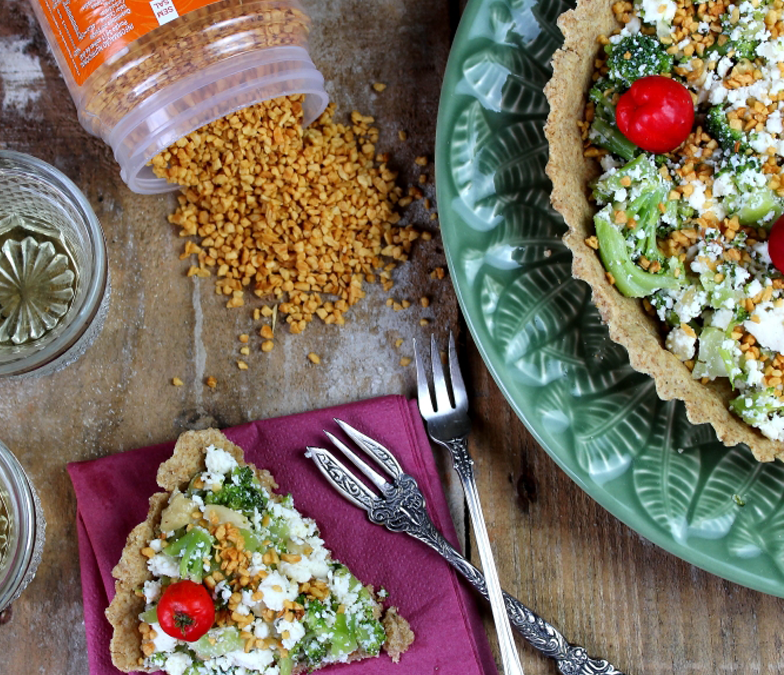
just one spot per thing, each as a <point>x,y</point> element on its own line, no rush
<point>226,576</point>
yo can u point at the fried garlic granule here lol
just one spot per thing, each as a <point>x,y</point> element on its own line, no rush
<point>300,217</point>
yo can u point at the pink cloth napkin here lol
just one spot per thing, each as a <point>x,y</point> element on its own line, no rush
<point>112,494</point>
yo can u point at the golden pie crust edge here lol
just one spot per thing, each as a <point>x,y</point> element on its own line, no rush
<point>131,571</point>
<point>570,172</point>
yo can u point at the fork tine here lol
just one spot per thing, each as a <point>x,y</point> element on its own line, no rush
<point>341,478</point>
<point>458,387</point>
<point>377,479</point>
<point>440,387</point>
<point>373,447</point>
<point>424,399</point>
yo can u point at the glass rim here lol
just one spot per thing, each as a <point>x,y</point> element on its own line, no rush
<point>23,164</point>
<point>14,571</point>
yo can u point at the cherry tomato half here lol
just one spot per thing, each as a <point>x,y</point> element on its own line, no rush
<point>776,244</point>
<point>656,114</point>
<point>186,611</point>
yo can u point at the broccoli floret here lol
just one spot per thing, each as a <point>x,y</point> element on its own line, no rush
<point>729,138</point>
<point>604,130</point>
<point>745,193</point>
<point>192,548</point>
<point>369,630</point>
<point>321,632</point>
<point>758,407</point>
<point>314,650</point>
<point>315,618</point>
<point>630,278</point>
<point>635,56</point>
<point>742,34</point>
<point>641,192</point>
<point>241,492</point>
<point>156,659</point>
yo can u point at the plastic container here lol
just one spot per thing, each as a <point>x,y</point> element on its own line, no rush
<point>143,75</point>
<point>22,529</point>
<point>54,274</point>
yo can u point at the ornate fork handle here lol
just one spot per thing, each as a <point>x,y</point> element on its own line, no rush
<point>403,510</point>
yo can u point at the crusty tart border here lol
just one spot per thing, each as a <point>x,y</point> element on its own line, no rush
<point>570,172</point>
<point>131,572</point>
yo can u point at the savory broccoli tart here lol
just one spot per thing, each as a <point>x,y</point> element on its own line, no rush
<point>672,112</point>
<point>226,576</point>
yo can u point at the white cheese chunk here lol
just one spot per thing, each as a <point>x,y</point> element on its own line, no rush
<point>177,663</point>
<point>767,326</point>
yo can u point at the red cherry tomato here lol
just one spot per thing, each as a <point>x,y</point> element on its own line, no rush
<point>656,114</point>
<point>776,244</point>
<point>186,611</point>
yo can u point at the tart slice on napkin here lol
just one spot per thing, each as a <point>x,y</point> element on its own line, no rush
<point>226,576</point>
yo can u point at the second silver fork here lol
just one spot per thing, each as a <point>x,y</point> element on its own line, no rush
<point>400,507</point>
<point>448,425</point>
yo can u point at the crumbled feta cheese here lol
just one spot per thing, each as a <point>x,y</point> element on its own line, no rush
<point>608,162</point>
<point>294,629</point>
<point>256,659</point>
<point>761,251</point>
<point>721,318</point>
<point>163,642</point>
<point>177,663</point>
<point>767,326</point>
<point>341,588</point>
<point>754,373</point>
<point>773,427</point>
<point>659,13</point>
<point>223,590</point>
<point>697,198</point>
<point>261,629</point>
<point>219,460</point>
<point>162,565</point>
<point>310,566</point>
<point>681,343</point>
<point>276,589</point>
<point>151,590</point>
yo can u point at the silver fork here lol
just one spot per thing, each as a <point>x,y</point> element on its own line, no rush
<point>401,508</point>
<point>448,425</point>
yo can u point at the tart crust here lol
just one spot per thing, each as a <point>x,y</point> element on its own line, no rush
<point>570,172</point>
<point>131,572</point>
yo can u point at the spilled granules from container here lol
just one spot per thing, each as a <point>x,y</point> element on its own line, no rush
<point>302,218</point>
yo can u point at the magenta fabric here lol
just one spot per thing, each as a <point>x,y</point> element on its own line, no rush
<point>112,495</point>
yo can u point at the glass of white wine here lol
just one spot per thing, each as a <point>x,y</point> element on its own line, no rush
<point>54,279</point>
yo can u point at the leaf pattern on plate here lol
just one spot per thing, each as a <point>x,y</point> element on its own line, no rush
<point>737,475</point>
<point>537,307</point>
<point>612,428</point>
<point>544,341</point>
<point>666,476</point>
<point>601,353</point>
<point>760,518</point>
<point>516,157</point>
<point>503,79</point>
<point>476,190</point>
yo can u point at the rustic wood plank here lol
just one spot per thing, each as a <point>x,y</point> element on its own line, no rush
<point>161,325</point>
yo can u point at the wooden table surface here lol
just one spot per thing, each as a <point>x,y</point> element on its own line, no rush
<point>605,586</point>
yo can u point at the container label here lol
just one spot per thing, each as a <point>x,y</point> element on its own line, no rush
<point>164,10</point>
<point>88,32</point>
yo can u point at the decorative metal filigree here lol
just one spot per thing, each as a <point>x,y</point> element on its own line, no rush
<point>402,508</point>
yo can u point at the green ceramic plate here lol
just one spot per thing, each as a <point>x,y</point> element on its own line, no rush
<point>541,337</point>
